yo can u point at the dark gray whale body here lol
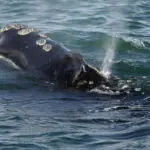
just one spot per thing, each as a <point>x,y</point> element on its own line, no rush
<point>28,49</point>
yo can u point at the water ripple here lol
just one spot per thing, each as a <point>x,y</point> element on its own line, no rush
<point>34,116</point>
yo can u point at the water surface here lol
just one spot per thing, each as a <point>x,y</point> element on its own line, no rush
<point>33,116</point>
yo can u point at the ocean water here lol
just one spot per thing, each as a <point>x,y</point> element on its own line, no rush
<point>33,116</point>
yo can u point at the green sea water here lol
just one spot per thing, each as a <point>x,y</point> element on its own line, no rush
<point>112,35</point>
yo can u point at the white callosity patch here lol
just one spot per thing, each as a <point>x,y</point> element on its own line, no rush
<point>41,42</point>
<point>26,31</point>
<point>18,26</point>
<point>6,28</point>
<point>47,47</point>
<point>12,26</point>
<point>43,35</point>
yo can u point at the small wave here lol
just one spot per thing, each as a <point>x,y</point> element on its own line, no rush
<point>134,134</point>
<point>3,127</point>
<point>122,108</point>
<point>13,145</point>
<point>105,92</point>
<point>116,108</point>
<point>98,143</point>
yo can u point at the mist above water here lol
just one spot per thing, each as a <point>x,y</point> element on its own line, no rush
<point>110,45</point>
<point>109,57</point>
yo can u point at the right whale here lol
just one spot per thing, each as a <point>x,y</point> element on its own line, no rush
<point>27,48</point>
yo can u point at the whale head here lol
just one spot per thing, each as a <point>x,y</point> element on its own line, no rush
<point>74,71</point>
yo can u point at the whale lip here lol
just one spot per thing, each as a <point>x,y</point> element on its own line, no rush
<point>8,62</point>
<point>4,53</point>
<point>15,57</point>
